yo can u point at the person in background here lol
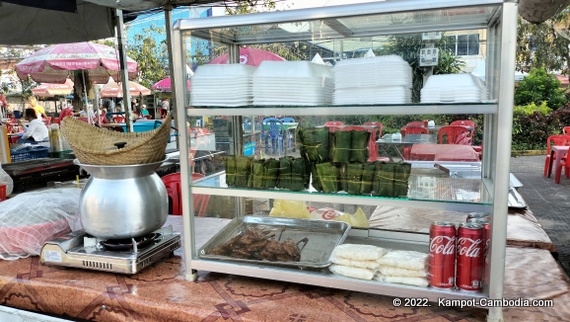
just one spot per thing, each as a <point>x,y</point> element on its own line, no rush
<point>36,131</point>
<point>144,111</point>
<point>38,108</point>
<point>164,108</point>
<point>3,105</point>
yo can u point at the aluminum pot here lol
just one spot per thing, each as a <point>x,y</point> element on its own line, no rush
<point>122,201</point>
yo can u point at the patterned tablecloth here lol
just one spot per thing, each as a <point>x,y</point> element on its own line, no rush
<point>160,293</point>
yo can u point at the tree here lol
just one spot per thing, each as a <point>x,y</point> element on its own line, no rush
<point>544,45</point>
<point>538,87</point>
<point>152,59</point>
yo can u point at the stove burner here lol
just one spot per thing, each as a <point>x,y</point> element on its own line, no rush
<point>127,243</point>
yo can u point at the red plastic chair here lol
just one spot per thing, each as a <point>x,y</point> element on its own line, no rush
<point>566,130</point>
<point>467,123</point>
<point>455,134</point>
<point>333,123</point>
<point>554,140</point>
<point>172,183</point>
<point>119,119</point>
<point>415,130</point>
<point>374,135</point>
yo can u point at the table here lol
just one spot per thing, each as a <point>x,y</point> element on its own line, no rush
<point>160,293</point>
<point>556,154</point>
<point>387,144</point>
<point>443,152</point>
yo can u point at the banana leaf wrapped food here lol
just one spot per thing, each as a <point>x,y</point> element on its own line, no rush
<point>314,144</point>
<point>354,178</point>
<point>315,180</point>
<point>300,174</point>
<point>258,174</point>
<point>342,146</point>
<point>271,173</point>
<point>401,176</point>
<point>368,170</point>
<point>243,168</point>
<point>391,179</point>
<point>230,163</point>
<point>359,145</point>
<point>328,176</point>
<point>342,184</point>
<point>384,179</point>
<point>285,172</point>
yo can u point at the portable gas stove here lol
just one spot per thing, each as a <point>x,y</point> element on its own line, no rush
<point>126,256</point>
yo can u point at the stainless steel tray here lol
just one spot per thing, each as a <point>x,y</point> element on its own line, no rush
<point>322,237</point>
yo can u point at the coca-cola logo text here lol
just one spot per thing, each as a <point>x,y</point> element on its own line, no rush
<point>442,245</point>
<point>469,247</point>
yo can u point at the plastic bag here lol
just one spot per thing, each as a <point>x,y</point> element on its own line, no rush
<point>30,219</point>
<point>7,180</point>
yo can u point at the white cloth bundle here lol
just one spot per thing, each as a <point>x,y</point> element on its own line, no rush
<point>402,272</point>
<point>404,259</point>
<point>355,260</point>
<point>354,272</point>
<point>359,252</point>
<point>416,281</point>
<point>403,267</point>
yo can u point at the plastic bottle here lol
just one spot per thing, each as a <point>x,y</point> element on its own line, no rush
<point>55,139</point>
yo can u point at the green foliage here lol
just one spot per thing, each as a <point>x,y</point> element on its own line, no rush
<point>150,56</point>
<point>540,86</point>
<point>531,108</point>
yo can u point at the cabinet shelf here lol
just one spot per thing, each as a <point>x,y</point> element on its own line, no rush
<point>329,280</point>
<point>344,32</point>
<point>403,109</point>
<point>213,185</point>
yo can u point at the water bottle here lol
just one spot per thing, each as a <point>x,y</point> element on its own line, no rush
<point>55,139</point>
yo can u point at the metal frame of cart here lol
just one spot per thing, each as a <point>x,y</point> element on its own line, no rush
<point>499,18</point>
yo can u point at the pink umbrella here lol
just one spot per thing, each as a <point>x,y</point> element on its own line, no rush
<point>164,85</point>
<point>248,56</point>
<point>113,89</point>
<point>51,89</point>
<point>53,64</point>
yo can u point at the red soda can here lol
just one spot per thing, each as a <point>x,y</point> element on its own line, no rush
<point>486,223</point>
<point>442,239</point>
<point>479,215</point>
<point>470,257</point>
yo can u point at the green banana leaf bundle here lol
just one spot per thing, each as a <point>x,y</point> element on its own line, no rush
<point>315,180</point>
<point>342,184</point>
<point>258,174</point>
<point>328,176</point>
<point>342,146</point>
<point>242,170</point>
<point>271,173</point>
<point>354,178</point>
<point>230,163</point>
<point>384,179</point>
<point>359,145</point>
<point>401,176</point>
<point>368,170</point>
<point>314,144</point>
<point>300,174</point>
<point>285,172</point>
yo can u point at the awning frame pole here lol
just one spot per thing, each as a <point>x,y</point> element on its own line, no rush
<point>124,70</point>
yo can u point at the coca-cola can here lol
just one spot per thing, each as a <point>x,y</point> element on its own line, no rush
<point>470,257</point>
<point>486,223</point>
<point>442,239</point>
<point>479,215</point>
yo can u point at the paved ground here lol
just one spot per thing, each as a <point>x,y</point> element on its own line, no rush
<point>549,202</point>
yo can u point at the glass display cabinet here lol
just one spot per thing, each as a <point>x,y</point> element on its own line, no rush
<point>347,69</point>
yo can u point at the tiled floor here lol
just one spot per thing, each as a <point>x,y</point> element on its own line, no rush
<point>549,202</point>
